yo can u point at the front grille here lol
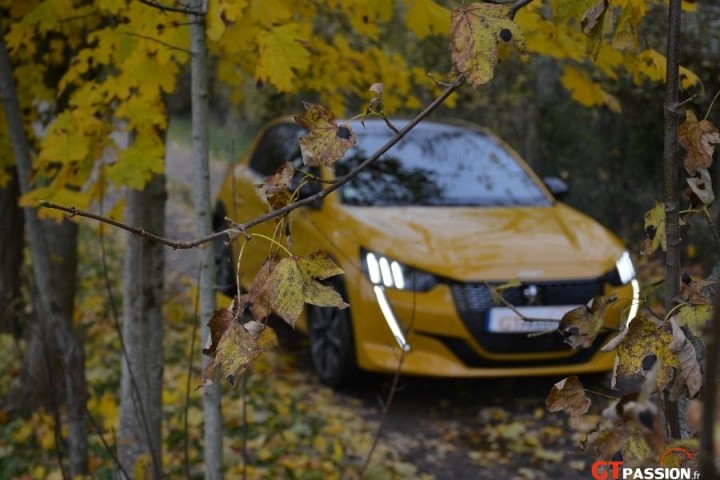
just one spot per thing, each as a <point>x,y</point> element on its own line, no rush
<point>473,300</point>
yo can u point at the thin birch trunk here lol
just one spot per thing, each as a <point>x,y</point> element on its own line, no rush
<point>200,146</point>
<point>140,426</point>
<point>52,315</point>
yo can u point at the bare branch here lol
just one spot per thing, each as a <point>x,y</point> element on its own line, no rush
<point>164,44</point>
<point>241,228</point>
<point>168,8</point>
<point>516,5</point>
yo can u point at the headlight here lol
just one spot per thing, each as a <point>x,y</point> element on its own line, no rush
<point>624,270</point>
<point>393,274</point>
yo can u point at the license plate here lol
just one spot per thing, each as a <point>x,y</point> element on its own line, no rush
<point>505,320</point>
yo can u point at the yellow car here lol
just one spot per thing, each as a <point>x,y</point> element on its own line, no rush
<point>422,235</point>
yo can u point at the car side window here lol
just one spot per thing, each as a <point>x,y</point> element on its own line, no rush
<point>277,146</point>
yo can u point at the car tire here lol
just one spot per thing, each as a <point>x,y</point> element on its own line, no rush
<point>332,344</point>
<point>225,280</point>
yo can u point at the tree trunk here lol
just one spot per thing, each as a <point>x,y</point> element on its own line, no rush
<point>200,145</point>
<point>140,429</point>
<point>11,249</point>
<point>54,314</point>
<point>43,379</point>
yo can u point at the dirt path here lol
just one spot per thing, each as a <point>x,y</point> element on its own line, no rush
<point>471,429</point>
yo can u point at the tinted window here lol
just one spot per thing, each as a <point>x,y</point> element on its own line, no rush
<point>278,145</point>
<point>437,165</point>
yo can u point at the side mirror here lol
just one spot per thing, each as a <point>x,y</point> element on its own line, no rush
<point>557,186</point>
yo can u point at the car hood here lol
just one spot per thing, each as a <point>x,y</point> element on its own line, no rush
<point>477,243</point>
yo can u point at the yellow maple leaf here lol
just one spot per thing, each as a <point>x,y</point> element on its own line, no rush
<point>585,91</point>
<point>282,55</point>
<point>654,227</point>
<point>475,32</point>
<point>425,17</point>
<point>366,15</point>
<point>645,344</point>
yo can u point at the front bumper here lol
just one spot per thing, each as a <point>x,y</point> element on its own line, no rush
<point>447,341</point>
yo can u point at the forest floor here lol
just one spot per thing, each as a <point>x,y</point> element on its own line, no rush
<point>454,429</point>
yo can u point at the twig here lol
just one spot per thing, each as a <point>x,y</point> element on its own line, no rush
<point>391,395</point>
<point>516,311</point>
<point>245,425</point>
<point>167,8</point>
<point>707,440</point>
<point>106,445</point>
<point>712,227</point>
<point>517,6</point>
<point>135,390</point>
<point>241,228</point>
<point>186,428</point>
<point>153,39</point>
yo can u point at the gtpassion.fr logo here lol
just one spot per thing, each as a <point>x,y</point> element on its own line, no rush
<point>669,468</point>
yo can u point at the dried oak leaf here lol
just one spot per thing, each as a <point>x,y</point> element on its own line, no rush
<point>687,358</point>
<point>326,142</point>
<point>475,32</point>
<point>277,186</point>
<point>568,395</point>
<point>580,326</point>
<point>644,344</point>
<point>698,138</point>
<point>289,288</point>
<point>696,292</point>
<point>654,227</point>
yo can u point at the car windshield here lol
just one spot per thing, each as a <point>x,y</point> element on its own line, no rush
<point>436,165</point>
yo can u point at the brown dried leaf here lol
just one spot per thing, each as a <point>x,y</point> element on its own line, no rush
<point>695,292</point>
<point>702,186</point>
<point>218,324</point>
<point>235,350</point>
<point>277,186</point>
<point>644,417</point>
<point>568,395</point>
<point>475,32</point>
<point>326,142</point>
<point>260,304</point>
<point>698,138</point>
<point>579,327</point>
<point>687,357</point>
